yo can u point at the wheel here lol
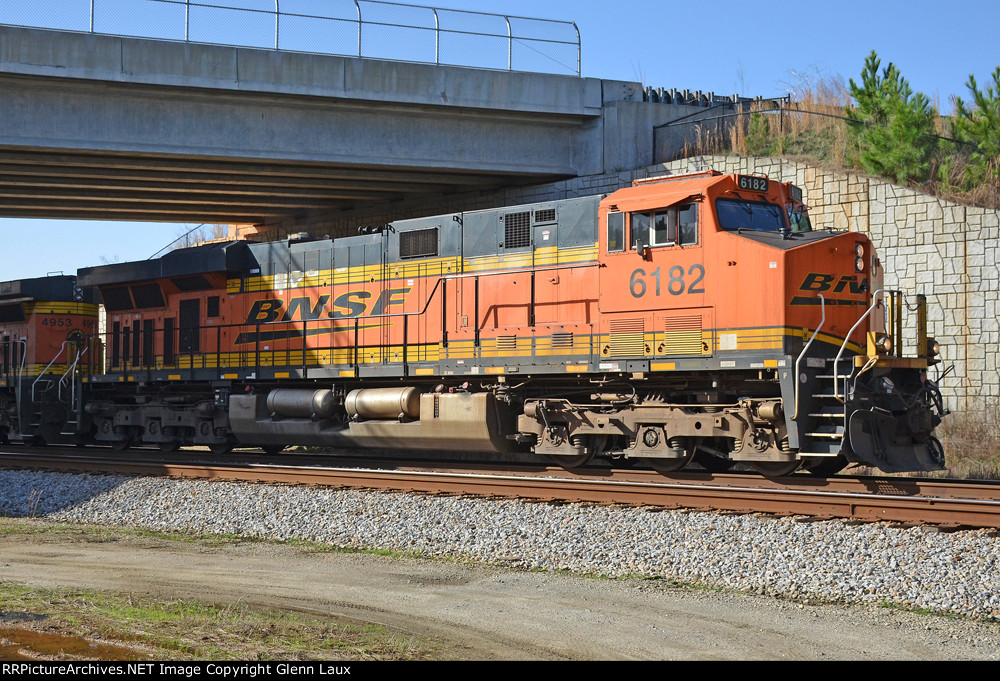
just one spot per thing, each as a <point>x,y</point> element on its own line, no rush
<point>672,465</point>
<point>776,469</point>
<point>587,446</point>
<point>221,447</point>
<point>571,462</point>
<point>713,463</point>
<point>668,465</point>
<point>272,449</point>
<point>121,445</point>
<point>825,466</point>
<point>168,447</point>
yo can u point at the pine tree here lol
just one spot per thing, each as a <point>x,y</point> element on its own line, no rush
<point>892,127</point>
<point>980,126</point>
<point>758,139</point>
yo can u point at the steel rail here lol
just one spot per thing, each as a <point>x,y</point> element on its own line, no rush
<point>945,503</point>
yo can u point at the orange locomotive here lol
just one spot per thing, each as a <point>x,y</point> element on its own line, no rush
<point>692,318</point>
<point>45,325</point>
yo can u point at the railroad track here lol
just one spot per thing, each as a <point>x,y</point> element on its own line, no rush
<point>942,503</point>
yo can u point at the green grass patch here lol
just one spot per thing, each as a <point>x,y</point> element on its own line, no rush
<point>181,629</point>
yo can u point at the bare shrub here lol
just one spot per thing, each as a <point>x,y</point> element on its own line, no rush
<point>971,440</point>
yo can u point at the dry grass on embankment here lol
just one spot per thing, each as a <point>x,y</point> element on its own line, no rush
<point>812,127</point>
<point>972,443</point>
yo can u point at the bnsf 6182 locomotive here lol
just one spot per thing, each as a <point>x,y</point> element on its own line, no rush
<point>692,318</point>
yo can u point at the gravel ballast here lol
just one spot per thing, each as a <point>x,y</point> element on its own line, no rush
<point>952,573</point>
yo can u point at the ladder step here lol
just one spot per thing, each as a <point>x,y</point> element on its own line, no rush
<point>828,415</point>
<point>828,443</point>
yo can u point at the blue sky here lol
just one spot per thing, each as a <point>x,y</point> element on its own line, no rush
<point>747,48</point>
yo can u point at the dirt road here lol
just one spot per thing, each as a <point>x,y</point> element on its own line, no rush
<point>490,613</point>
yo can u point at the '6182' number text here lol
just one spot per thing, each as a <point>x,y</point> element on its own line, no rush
<point>677,281</point>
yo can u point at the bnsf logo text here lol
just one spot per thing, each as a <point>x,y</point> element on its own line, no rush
<point>350,304</point>
<point>825,282</point>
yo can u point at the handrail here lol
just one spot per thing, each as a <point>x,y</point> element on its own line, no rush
<point>76,361</point>
<point>43,372</point>
<point>24,358</point>
<point>541,33</point>
<point>822,321</point>
<point>132,362</point>
<point>847,338</point>
<point>20,383</point>
<point>71,370</point>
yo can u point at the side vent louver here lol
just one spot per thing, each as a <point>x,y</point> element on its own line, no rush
<point>682,337</point>
<point>627,337</point>
<point>517,230</point>
<point>545,215</point>
<point>562,340</point>
<point>506,342</point>
<point>418,243</point>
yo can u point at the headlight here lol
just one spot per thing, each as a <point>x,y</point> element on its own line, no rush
<point>883,344</point>
<point>859,264</point>
<point>859,250</point>
<point>933,348</point>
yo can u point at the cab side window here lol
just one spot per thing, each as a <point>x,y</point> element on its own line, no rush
<point>687,224</point>
<point>674,226</point>
<point>640,230</point>
<point>664,228</point>
<point>616,232</point>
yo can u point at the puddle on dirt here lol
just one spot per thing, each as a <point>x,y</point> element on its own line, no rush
<point>24,644</point>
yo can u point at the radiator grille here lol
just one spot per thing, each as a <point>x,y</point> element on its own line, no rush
<point>418,243</point>
<point>626,337</point>
<point>546,215</point>
<point>682,336</point>
<point>517,230</point>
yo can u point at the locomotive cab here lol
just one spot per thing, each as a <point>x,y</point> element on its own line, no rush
<point>754,315</point>
<point>45,329</point>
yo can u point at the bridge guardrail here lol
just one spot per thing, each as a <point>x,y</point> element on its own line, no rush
<point>360,28</point>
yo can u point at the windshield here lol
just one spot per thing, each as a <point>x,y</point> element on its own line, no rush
<point>756,216</point>
<point>798,218</point>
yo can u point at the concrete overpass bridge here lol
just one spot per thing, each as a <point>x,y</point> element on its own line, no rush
<point>116,128</point>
